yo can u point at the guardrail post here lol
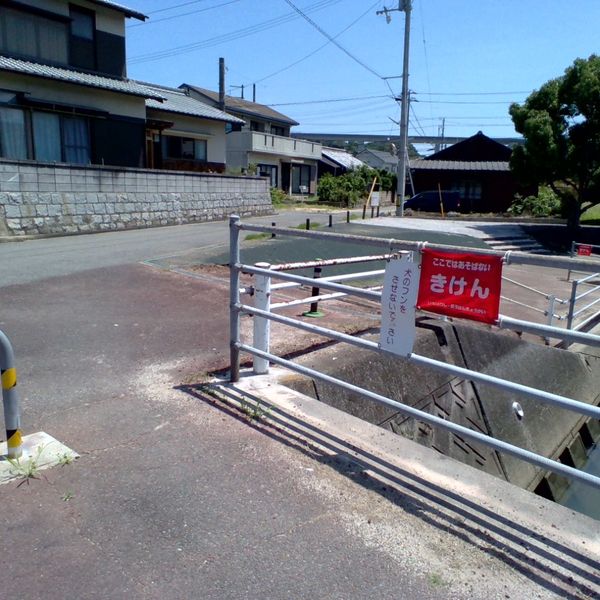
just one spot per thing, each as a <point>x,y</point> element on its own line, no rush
<point>314,306</point>
<point>10,399</point>
<point>572,301</point>
<point>573,244</point>
<point>550,315</point>
<point>234,298</point>
<point>262,326</point>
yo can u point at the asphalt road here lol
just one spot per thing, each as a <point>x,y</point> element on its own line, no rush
<point>175,496</point>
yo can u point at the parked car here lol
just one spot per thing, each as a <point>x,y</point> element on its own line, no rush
<point>430,201</point>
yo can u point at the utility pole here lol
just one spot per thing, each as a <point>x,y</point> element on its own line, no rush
<point>406,7</point>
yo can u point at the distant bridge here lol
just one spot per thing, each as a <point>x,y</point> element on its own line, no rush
<point>412,139</point>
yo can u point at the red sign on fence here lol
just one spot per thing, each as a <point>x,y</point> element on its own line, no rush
<point>460,284</point>
<point>584,250</point>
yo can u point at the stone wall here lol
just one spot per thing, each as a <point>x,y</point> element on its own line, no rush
<point>38,198</point>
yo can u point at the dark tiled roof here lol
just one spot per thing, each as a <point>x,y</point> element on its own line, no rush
<point>245,106</point>
<point>126,86</point>
<point>128,12</point>
<point>176,101</point>
<point>459,165</point>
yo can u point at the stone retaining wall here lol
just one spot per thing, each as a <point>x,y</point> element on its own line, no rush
<point>59,199</point>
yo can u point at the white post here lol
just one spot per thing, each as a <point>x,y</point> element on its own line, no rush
<point>262,326</point>
<point>550,315</point>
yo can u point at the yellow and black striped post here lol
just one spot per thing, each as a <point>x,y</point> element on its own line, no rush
<point>10,399</point>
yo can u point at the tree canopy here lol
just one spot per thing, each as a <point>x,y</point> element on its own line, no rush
<point>561,126</point>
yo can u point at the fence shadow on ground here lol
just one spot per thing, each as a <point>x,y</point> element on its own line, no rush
<point>545,561</point>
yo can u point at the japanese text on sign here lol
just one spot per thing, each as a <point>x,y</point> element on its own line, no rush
<point>398,300</point>
<point>460,285</point>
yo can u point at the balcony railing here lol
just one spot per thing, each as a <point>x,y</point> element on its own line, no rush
<point>255,141</point>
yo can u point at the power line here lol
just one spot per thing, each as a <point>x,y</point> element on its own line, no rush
<point>332,40</point>
<point>352,99</point>
<point>175,6</point>
<point>228,37</point>
<point>193,12</point>
<point>317,49</point>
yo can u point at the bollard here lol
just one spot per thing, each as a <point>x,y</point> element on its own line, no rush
<point>364,211</point>
<point>262,326</point>
<point>307,224</point>
<point>377,211</point>
<point>273,225</point>
<point>330,220</point>
<point>347,216</point>
<point>314,306</point>
<point>10,399</point>
<point>372,211</point>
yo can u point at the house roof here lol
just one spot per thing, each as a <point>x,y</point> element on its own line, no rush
<point>128,12</point>
<point>125,86</point>
<point>244,106</point>
<point>177,101</point>
<point>385,157</point>
<point>342,158</point>
<point>478,147</point>
<point>427,164</point>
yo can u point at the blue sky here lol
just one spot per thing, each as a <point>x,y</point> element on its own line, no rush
<point>469,59</point>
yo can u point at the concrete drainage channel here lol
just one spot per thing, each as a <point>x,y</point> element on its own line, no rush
<point>546,430</point>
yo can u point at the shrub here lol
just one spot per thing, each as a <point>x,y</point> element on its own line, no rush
<point>279,197</point>
<point>350,188</point>
<point>546,203</point>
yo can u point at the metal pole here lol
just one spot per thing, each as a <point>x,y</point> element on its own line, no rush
<point>10,398</point>
<point>234,298</point>
<point>572,301</point>
<point>262,326</point>
<point>347,216</point>
<point>551,301</point>
<point>572,255</point>
<point>307,224</point>
<point>405,5</point>
<point>314,307</point>
<point>273,225</point>
<point>330,220</point>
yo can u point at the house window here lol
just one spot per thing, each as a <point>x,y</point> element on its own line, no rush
<point>276,130</point>
<point>13,135</point>
<point>33,36</point>
<point>82,45</point>
<point>46,137</point>
<point>257,126</point>
<point>300,179</point>
<point>186,148</point>
<point>269,171</point>
<point>76,140</point>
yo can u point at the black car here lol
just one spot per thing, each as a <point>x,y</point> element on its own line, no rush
<point>430,201</point>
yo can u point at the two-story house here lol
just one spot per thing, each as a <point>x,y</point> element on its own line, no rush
<point>65,97</point>
<point>264,142</point>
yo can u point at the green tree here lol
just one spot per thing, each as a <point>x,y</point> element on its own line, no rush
<point>561,126</point>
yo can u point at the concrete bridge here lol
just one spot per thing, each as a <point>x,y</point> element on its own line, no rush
<point>413,139</point>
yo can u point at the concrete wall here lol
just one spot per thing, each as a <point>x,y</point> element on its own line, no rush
<point>545,429</point>
<point>37,198</point>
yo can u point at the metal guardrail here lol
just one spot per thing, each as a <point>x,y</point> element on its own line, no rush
<point>263,315</point>
<point>10,399</point>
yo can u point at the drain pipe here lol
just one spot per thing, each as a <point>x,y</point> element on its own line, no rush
<point>10,399</point>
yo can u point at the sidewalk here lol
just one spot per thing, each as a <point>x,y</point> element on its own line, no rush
<point>181,495</point>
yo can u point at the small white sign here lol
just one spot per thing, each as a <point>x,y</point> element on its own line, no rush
<point>375,199</point>
<point>398,305</point>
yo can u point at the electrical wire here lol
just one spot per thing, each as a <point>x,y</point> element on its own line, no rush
<point>332,40</point>
<point>317,49</point>
<point>193,12</point>
<point>228,37</point>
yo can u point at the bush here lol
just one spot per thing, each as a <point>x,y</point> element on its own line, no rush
<point>350,188</point>
<point>545,204</point>
<point>279,197</point>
